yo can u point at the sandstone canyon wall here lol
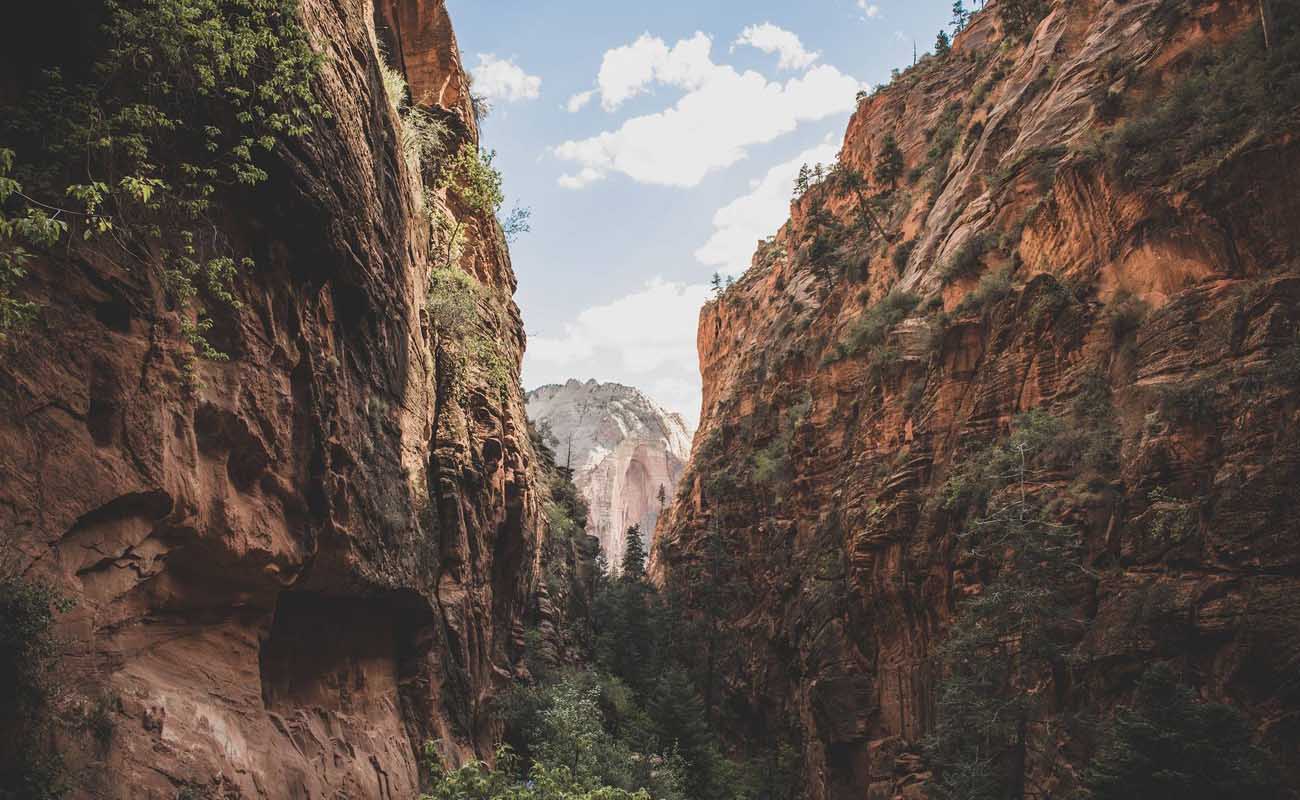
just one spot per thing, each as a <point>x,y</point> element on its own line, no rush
<point>621,447</point>
<point>293,568</point>
<point>1018,258</point>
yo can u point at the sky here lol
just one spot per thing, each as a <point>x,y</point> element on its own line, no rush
<point>655,144</point>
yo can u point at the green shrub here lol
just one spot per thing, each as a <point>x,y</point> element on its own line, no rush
<point>992,288</point>
<point>1233,99</point>
<point>1173,520</point>
<point>873,326</point>
<point>29,655</point>
<point>453,303</point>
<point>476,182</point>
<point>187,97</point>
<point>968,260</point>
<point>1019,17</point>
<point>1170,744</point>
<point>1189,403</point>
<point>902,253</point>
<point>32,228</point>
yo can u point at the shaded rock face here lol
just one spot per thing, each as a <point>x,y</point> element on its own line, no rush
<point>622,448</point>
<point>842,575</point>
<point>294,571</point>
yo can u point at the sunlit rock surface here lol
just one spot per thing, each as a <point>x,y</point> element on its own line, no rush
<point>622,447</point>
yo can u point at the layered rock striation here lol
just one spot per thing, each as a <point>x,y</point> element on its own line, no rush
<point>622,448</point>
<point>1027,245</point>
<point>292,569</point>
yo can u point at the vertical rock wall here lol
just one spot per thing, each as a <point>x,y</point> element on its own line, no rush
<point>293,571</point>
<point>842,571</point>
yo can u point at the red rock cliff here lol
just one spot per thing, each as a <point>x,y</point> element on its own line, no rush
<point>290,576</point>
<point>811,504</point>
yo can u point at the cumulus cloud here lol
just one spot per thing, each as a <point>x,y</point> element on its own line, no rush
<point>722,114</point>
<point>645,339</point>
<point>740,224</point>
<point>631,69</point>
<point>579,101</point>
<point>502,79</point>
<point>770,38</point>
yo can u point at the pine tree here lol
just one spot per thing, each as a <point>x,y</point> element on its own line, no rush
<point>715,283</point>
<point>960,17</point>
<point>1020,16</point>
<point>1171,745</point>
<point>942,45</point>
<point>683,727</point>
<point>633,555</point>
<point>801,183</point>
<point>889,164</point>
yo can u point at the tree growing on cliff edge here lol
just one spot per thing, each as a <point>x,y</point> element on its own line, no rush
<point>942,45</point>
<point>889,163</point>
<point>1020,16</point>
<point>960,17</point>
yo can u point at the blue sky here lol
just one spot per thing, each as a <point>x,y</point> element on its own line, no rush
<point>655,144</point>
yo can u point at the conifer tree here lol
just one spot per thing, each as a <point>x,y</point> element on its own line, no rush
<point>801,183</point>
<point>960,17</point>
<point>1171,745</point>
<point>633,555</point>
<point>889,164</point>
<point>942,45</point>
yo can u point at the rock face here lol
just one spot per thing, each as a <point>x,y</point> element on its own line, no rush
<point>292,574</point>
<point>824,446</point>
<point>622,448</point>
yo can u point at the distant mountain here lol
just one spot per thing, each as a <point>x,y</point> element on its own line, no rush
<point>622,447</point>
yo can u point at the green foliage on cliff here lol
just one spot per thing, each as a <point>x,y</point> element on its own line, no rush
<point>31,228</point>
<point>1170,744</point>
<point>1232,101</point>
<point>874,325</point>
<point>30,766</point>
<point>994,727</point>
<point>456,308</point>
<point>476,182</point>
<point>183,100</point>
<point>1019,17</point>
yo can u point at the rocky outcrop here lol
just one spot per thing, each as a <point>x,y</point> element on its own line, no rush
<point>622,448</point>
<point>831,424</point>
<point>294,568</point>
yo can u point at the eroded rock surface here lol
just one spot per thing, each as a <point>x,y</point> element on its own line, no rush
<point>623,449</point>
<point>293,569</point>
<point>841,570</point>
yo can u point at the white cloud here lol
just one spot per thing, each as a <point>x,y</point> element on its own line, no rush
<point>869,10</point>
<point>502,79</point>
<point>579,101</point>
<point>739,225</point>
<point>629,70</point>
<point>772,39</point>
<point>644,339</point>
<point>585,176</point>
<point>723,113</point>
